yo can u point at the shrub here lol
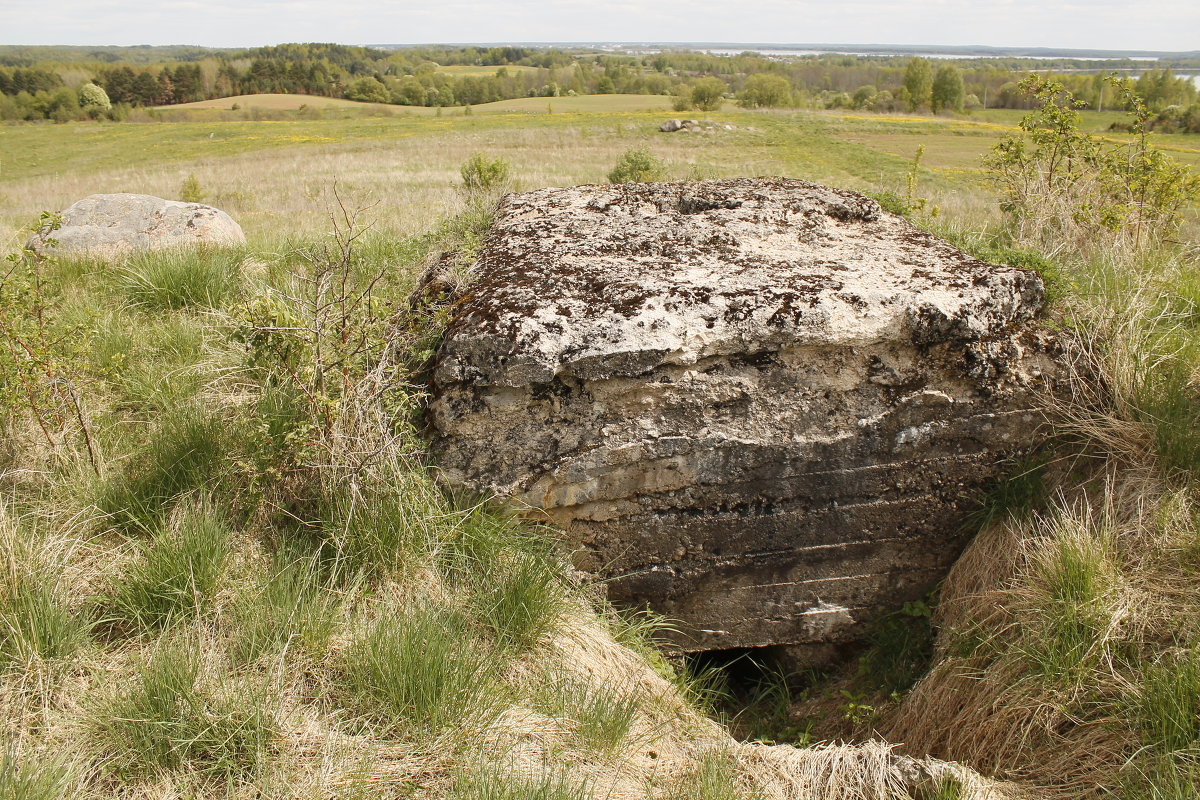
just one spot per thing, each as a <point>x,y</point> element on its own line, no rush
<point>482,175</point>
<point>637,165</point>
<point>766,91</point>
<point>1063,187</point>
<point>191,191</point>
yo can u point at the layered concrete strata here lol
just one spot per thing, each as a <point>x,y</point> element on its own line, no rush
<point>763,407</point>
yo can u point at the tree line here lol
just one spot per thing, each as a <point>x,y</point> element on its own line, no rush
<point>417,76</point>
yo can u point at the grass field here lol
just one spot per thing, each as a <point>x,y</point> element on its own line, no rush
<point>274,176</point>
<point>226,589</point>
<point>482,71</point>
<point>277,102</point>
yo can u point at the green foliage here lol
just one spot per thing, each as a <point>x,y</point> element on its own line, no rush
<point>708,94</point>
<point>681,98</point>
<point>482,175</point>
<point>947,786</point>
<point>1072,581</point>
<point>603,716</point>
<point>422,671</point>
<point>1166,399</point>
<point>42,354</point>
<point>1062,186</point>
<point>716,778</point>
<point>1018,494</point>
<point>918,83</point>
<point>168,721</point>
<point>637,165</point>
<point>176,573</point>
<point>766,715</point>
<point>94,98</point>
<point>368,90</point>
<point>178,278</point>
<point>765,91</point>
<point>191,191</point>
<point>35,623</point>
<point>21,778</point>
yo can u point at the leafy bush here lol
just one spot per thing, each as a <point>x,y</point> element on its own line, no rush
<point>637,165</point>
<point>191,191</point>
<point>482,175</point>
<point>1063,187</point>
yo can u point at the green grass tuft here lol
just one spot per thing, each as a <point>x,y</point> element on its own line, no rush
<point>1168,710</point>
<point>945,787</point>
<point>23,779</point>
<point>422,670</point>
<point>603,716</point>
<point>185,453</point>
<point>167,721</point>
<point>296,606</point>
<point>178,278</point>
<point>1073,581</point>
<point>36,624</point>
<point>494,785</point>
<point>715,778</point>
<point>176,575</point>
<point>513,583</point>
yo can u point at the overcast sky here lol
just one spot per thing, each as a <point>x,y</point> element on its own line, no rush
<point>1107,24</point>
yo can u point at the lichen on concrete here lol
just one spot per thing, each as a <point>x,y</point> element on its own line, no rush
<point>763,407</point>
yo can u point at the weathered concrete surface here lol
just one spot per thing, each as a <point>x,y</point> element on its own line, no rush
<point>112,225</point>
<point>761,406</point>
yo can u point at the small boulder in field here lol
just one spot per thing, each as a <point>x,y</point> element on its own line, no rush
<point>670,126</point>
<point>111,225</point>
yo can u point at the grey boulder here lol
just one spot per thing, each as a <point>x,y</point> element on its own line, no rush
<point>112,225</point>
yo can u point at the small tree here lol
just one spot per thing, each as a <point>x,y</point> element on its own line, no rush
<point>918,80</point>
<point>368,90</point>
<point>637,165</point>
<point>947,92</point>
<point>94,100</point>
<point>765,91</point>
<point>708,93</point>
<point>190,191</point>
<point>482,176</point>
<point>1063,187</point>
